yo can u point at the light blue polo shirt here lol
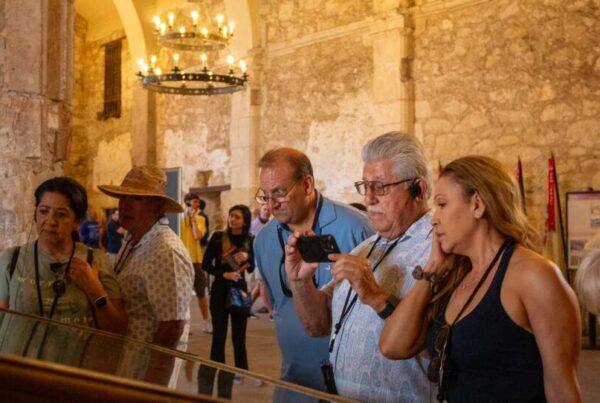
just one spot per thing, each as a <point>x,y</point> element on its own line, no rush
<point>302,355</point>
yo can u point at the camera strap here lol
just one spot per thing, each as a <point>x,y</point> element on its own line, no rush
<point>284,288</point>
<point>348,307</point>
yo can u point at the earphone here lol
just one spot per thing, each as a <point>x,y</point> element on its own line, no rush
<point>415,189</point>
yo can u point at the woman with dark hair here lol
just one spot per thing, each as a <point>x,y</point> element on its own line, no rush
<point>499,321</point>
<point>55,276</point>
<point>228,255</point>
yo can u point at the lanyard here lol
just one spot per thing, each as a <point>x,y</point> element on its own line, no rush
<point>123,257</point>
<point>283,282</point>
<point>347,308</point>
<point>37,281</point>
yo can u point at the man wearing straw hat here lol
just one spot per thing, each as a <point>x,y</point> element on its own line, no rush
<point>153,267</point>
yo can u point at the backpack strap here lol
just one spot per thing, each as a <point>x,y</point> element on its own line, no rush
<point>13,261</point>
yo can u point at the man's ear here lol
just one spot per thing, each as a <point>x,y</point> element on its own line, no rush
<point>308,184</point>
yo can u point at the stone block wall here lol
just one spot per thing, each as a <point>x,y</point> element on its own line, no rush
<point>318,88</point>
<point>35,106</point>
<point>100,149</point>
<point>506,78</point>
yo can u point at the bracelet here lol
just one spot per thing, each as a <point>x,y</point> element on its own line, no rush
<point>419,274</point>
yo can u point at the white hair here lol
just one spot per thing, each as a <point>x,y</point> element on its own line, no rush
<point>587,280</point>
<point>406,152</point>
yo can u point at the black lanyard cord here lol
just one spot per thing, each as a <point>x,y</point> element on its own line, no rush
<point>316,280</point>
<point>123,257</point>
<point>37,281</point>
<point>348,307</point>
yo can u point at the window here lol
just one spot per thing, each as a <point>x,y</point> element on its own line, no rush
<point>112,81</point>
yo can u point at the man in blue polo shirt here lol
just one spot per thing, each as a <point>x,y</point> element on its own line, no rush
<point>288,185</point>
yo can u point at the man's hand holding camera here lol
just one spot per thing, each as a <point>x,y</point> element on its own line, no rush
<point>358,271</point>
<point>297,269</point>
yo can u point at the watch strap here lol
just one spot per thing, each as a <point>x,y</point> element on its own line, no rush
<point>101,302</point>
<point>390,304</point>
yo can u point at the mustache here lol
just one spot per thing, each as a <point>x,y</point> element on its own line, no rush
<point>375,209</point>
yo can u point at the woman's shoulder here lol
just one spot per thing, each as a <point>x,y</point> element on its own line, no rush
<point>530,269</point>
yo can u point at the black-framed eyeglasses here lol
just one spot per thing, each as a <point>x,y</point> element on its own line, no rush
<point>376,187</point>
<point>435,370</point>
<point>279,196</point>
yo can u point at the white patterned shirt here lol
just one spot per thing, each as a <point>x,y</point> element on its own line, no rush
<point>156,277</point>
<point>361,371</point>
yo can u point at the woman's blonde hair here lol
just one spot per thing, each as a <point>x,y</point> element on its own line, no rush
<point>498,190</point>
<point>587,280</point>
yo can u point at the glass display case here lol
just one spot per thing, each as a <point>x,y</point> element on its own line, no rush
<point>34,349</point>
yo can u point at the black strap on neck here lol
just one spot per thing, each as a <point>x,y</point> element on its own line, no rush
<point>37,280</point>
<point>123,257</point>
<point>482,280</point>
<point>282,282</point>
<point>348,307</point>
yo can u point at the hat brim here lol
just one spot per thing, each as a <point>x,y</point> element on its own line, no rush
<point>118,191</point>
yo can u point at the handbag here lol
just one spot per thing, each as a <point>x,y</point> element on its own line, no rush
<point>239,302</point>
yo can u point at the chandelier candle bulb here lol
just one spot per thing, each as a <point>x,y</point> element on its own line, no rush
<point>171,17</point>
<point>163,28</point>
<point>153,61</point>
<point>219,20</point>
<point>176,59</point>
<point>203,59</point>
<point>195,19</point>
<point>225,32</point>
<point>158,71</point>
<point>231,26</point>
<point>230,60</point>
<point>204,31</point>
<point>182,30</point>
<point>156,20</point>
<point>243,66</point>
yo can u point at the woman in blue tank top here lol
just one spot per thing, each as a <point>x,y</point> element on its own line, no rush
<point>498,320</point>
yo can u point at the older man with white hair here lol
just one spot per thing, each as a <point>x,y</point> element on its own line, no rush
<point>369,282</point>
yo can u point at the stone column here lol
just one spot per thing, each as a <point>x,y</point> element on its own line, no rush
<point>393,88</point>
<point>143,126</point>
<point>244,135</point>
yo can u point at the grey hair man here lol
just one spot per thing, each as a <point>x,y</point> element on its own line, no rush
<point>369,282</point>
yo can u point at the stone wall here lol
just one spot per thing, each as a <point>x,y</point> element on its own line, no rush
<point>506,78</point>
<point>318,93</point>
<point>35,106</point>
<point>101,149</point>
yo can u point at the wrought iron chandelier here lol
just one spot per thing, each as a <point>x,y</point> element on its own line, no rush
<point>201,79</point>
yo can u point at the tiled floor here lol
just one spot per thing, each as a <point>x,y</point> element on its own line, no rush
<point>264,356</point>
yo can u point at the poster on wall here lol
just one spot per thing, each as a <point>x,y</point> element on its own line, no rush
<point>583,222</point>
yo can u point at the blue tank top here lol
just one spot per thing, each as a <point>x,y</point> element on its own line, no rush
<point>490,358</point>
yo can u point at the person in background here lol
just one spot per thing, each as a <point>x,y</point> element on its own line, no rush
<point>205,238</point>
<point>114,237</point>
<point>371,281</point>
<point>89,230</point>
<point>587,280</point>
<point>288,186</point>
<point>155,272</point>
<point>499,321</point>
<point>262,217</point>
<point>229,254</point>
<point>193,229</point>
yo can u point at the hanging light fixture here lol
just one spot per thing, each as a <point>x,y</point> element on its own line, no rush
<point>202,79</point>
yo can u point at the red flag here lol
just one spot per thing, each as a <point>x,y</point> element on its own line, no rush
<point>521,183</point>
<point>553,242</point>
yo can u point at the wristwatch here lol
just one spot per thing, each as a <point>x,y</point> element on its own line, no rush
<point>101,301</point>
<point>419,274</point>
<point>390,304</point>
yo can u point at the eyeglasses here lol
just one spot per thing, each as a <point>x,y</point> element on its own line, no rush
<point>279,196</point>
<point>435,370</point>
<point>59,286</point>
<point>378,188</point>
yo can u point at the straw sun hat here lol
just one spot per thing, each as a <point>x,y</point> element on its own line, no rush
<point>145,180</point>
